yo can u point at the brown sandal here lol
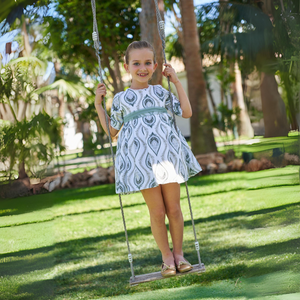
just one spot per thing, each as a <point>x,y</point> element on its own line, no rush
<point>184,266</point>
<point>167,271</point>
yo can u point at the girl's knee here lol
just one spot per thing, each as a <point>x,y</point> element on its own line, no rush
<point>158,215</point>
<point>174,212</point>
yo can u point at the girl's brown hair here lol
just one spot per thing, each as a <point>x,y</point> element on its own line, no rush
<point>138,45</point>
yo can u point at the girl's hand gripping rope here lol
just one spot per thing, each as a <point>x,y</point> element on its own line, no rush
<point>170,72</point>
<point>100,93</point>
<point>182,96</point>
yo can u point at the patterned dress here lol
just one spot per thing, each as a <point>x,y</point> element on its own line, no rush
<point>149,150</point>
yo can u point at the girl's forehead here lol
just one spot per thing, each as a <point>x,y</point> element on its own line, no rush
<point>139,54</point>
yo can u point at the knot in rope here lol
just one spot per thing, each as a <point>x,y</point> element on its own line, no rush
<point>95,36</point>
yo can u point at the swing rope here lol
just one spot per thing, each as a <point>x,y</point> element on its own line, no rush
<point>96,40</point>
<point>161,31</point>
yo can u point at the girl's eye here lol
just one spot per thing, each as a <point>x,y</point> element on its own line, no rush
<point>148,63</point>
<point>136,64</point>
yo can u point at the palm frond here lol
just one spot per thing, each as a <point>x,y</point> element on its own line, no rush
<point>249,44</point>
<point>39,65</point>
<point>11,10</point>
<point>68,88</point>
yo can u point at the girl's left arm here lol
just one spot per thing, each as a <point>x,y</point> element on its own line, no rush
<point>184,101</point>
<point>182,96</point>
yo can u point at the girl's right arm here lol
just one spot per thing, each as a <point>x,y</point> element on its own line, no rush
<point>100,93</point>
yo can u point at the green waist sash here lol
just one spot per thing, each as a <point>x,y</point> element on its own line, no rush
<point>141,112</point>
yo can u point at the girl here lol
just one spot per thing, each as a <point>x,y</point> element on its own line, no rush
<point>151,156</point>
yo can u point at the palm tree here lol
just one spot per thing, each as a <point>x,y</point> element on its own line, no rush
<point>254,44</point>
<point>273,107</point>
<point>244,125</point>
<point>67,89</point>
<point>18,85</point>
<point>24,137</point>
<point>202,137</point>
<point>285,18</point>
<point>30,144</point>
<point>10,10</point>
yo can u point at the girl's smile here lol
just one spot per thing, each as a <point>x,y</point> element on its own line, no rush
<point>141,67</point>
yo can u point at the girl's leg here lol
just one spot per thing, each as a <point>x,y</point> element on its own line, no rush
<point>171,196</point>
<point>155,202</point>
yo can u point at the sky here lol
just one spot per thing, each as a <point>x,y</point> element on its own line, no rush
<point>169,29</point>
<point>198,2</point>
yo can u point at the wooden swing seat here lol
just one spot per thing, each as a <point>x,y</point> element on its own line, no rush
<point>157,275</point>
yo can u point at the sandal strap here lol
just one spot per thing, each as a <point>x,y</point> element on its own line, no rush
<point>181,263</point>
<point>166,267</point>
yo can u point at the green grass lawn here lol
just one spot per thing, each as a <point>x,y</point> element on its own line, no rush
<point>260,146</point>
<point>70,244</point>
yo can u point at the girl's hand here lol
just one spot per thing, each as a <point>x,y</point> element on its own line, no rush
<point>170,72</point>
<point>100,93</point>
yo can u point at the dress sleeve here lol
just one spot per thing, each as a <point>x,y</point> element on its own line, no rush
<point>176,104</point>
<point>116,116</point>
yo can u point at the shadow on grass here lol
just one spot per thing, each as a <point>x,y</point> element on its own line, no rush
<point>101,280</point>
<point>76,214</point>
<point>235,214</point>
<point>38,290</point>
<point>28,204</point>
<point>133,233</point>
<point>24,205</point>
<point>192,196</point>
<point>30,263</point>
<point>253,253</point>
<point>107,274</point>
<point>207,180</point>
<point>280,176</point>
<point>111,278</point>
<point>212,218</point>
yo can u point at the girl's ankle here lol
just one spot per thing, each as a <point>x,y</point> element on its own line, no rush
<point>168,258</point>
<point>177,253</point>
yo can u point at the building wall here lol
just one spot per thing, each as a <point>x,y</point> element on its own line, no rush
<point>184,124</point>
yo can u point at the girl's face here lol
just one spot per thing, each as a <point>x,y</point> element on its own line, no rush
<point>141,67</point>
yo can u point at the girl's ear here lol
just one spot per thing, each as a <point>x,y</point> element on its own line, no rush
<point>155,66</point>
<point>126,67</point>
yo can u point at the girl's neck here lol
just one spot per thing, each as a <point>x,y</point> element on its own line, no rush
<point>138,86</point>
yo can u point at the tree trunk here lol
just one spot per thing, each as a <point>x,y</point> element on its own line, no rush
<point>244,126</point>
<point>27,48</point>
<point>212,100</point>
<point>21,111</point>
<point>112,74</point>
<point>223,24</point>
<point>273,107</point>
<point>274,110</point>
<point>61,114</point>
<point>6,112</point>
<point>86,138</point>
<point>149,32</point>
<point>118,72</point>
<point>22,172</point>
<point>291,107</point>
<point>202,137</point>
